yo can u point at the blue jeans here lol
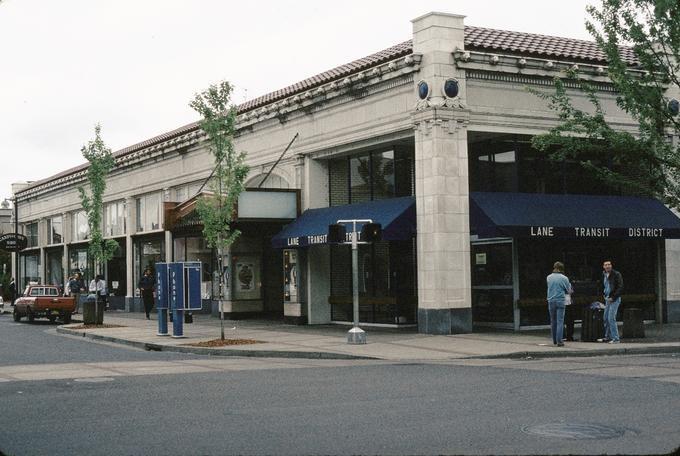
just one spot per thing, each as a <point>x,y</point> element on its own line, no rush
<point>556,309</point>
<point>611,332</point>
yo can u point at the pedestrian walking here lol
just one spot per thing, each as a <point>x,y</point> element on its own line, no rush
<point>147,286</point>
<point>12,288</point>
<point>558,287</point>
<point>611,288</point>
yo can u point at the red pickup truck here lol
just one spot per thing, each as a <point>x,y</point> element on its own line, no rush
<point>44,301</point>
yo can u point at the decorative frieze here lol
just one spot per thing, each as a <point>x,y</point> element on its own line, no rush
<point>517,64</point>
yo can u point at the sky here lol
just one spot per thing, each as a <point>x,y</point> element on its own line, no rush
<point>134,65</point>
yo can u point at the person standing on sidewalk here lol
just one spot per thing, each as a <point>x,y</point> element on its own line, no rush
<point>612,286</point>
<point>147,285</point>
<point>558,287</point>
<point>570,310</point>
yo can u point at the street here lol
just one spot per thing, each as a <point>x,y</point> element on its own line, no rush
<point>67,395</point>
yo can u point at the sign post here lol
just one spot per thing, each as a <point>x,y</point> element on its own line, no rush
<point>356,335</point>
<point>162,298</point>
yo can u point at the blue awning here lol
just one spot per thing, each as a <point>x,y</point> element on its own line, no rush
<point>397,217</point>
<point>570,216</point>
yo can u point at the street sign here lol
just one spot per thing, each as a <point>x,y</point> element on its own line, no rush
<point>13,242</point>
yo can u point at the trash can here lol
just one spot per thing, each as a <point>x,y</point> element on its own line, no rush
<point>188,317</point>
<point>633,324</point>
<point>89,307</point>
<point>592,325</point>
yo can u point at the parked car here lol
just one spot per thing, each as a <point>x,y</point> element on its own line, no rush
<point>44,301</point>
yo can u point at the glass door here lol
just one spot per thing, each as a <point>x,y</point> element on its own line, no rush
<point>493,281</point>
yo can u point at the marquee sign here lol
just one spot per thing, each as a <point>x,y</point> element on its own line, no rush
<point>13,242</point>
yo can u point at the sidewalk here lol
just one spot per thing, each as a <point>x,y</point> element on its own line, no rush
<point>330,341</point>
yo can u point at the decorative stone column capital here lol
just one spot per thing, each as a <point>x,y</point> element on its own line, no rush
<point>448,119</point>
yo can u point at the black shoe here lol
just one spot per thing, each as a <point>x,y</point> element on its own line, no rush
<point>148,318</point>
<point>560,344</point>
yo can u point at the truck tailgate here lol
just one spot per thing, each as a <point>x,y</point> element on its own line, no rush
<point>56,303</point>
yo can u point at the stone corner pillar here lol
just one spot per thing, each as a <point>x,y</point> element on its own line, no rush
<point>442,188</point>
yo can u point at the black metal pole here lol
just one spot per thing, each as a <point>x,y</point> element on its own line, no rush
<point>17,278</point>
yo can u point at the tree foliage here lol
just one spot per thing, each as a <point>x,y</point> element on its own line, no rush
<point>218,122</point>
<point>101,162</point>
<point>645,162</point>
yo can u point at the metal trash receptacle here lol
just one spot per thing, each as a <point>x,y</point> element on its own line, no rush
<point>633,324</point>
<point>89,308</point>
<point>592,325</point>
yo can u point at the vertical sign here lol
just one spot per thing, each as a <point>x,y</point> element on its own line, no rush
<point>162,286</point>
<point>176,285</point>
<point>192,282</point>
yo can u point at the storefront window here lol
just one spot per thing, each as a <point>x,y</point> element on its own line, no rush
<point>636,260</point>
<point>383,175</point>
<point>79,261</point>
<point>494,166</point>
<point>31,233</point>
<point>114,219</point>
<point>30,269</point>
<point>509,163</point>
<point>360,179</point>
<point>55,271</point>
<point>149,212</point>
<point>194,248</point>
<point>55,230</point>
<point>148,252</point>
<point>372,176</point>
<point>80,229</point>
<point>387,282</point>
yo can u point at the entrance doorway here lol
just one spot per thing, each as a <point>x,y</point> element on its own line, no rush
<point>493,284</point>
<point>116,276</point>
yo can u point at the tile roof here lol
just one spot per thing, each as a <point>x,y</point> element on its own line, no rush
<point>391,53</point>
<point>476,38</point>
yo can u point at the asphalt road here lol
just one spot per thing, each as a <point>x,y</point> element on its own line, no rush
<point>62,395</point>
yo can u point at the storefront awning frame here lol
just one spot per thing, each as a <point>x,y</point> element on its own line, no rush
<point>397,217</point>
<point>546,216</point>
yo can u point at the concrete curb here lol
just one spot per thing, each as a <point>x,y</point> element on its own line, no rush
<point>583,353</point>
<point>212,351</point>
<point>562,353</point>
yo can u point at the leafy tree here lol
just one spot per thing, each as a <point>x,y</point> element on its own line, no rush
<point>101,162</point>
<point>646,163</point>
<point>216,211</point>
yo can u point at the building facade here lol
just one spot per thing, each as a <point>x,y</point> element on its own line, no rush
<point>430,138</point>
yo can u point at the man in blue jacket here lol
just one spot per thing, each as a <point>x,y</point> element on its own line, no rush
<point>612,286</point>
<point>558,287</point>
